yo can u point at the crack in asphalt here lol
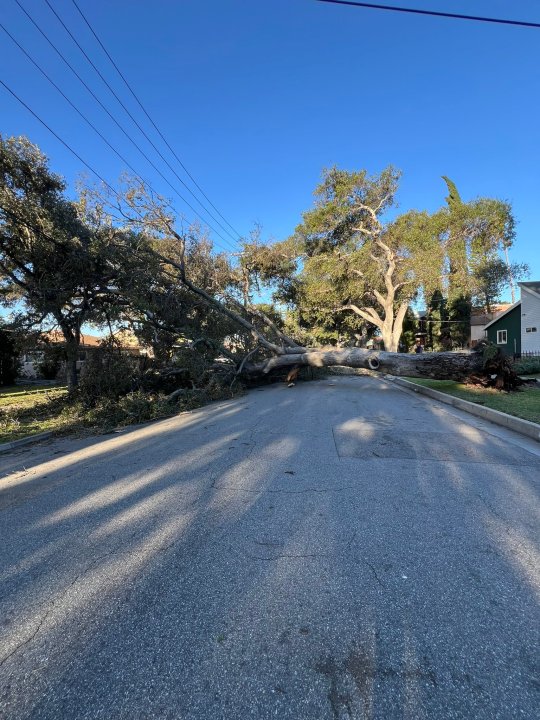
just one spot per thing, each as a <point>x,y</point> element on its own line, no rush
<point>285,492</point>
<point>374,572</point>
<point>32,636</point>
<point>280,556</point>
<point>117,550</point>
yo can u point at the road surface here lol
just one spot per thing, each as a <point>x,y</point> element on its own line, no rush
<point>339,550</point>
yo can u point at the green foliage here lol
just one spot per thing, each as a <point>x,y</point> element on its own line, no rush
<point>108,373</point>
<point>357,263</point>
<point>65,267</point>
<point>410,328</point>
<point>454,198</point>
<point>53,358</point>
<point>491,277</point>
<point>527,365</point>
<point>55,410</point>
<point>438,328</point>
<point>134,407</point>
<point>460,322</point>
<point>271,266</point>
<point>344,203</point>
<point>490,354</point>
<point>100,260</point>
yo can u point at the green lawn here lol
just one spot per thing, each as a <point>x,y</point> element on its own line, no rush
<point>30,410</point>
<point>23,395</point>
<point>27,412</point>
<point>524,403</point>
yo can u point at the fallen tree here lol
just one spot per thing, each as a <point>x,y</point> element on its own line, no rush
<point>492,367</point>
<point>457,366</point>
<point>279,351</point>
<point>444,365</point>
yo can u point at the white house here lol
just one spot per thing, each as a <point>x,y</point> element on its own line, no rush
<point>530,316</point>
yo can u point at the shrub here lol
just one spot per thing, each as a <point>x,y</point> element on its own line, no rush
<point>107,373</point>
<point>524,366</point>
<point>52,362</point>
<point>132,408</point>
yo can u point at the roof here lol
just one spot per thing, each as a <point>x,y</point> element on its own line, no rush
<point>501,315</point>
<point>481,317</point>
<point>532,286</point>
<point>92,341</point>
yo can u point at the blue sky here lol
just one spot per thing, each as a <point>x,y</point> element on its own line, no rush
<point>257,96</point>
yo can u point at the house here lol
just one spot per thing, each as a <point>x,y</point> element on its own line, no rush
<point>530,317</point>
<point>517,330</point>
<point>32,359</point>
<point>480,318</point>
<point>505,330</point>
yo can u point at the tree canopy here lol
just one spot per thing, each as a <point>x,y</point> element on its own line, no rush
<point>357,260</point>
<point>352,268</point>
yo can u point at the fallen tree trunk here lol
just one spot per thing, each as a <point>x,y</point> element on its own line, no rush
<point>459,366</point>
<point>439,366</point>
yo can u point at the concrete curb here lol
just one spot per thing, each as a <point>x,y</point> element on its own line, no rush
<point>524,427</point>
<point>4,447</point>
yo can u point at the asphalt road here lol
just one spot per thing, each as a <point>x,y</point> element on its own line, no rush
<point>338,550</point>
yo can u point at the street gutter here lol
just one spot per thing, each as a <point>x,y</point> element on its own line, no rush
<point>524,427</point>
<point>14,444</point>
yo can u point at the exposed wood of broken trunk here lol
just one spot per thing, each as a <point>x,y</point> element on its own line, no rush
<point>446,366</point>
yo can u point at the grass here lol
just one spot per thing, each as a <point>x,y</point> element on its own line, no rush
<point>33,410</point>
<point>523,403</point>
<point>26,396</point>
<point>24,413</point>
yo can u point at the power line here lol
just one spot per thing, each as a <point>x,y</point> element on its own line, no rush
<point>87,121</point>
<point>133,119</point>
<point>149,117</point>
<point>433,13</point>
<point>81,80</point>
<point>122,158</point>
<point>60,139</point>
<point>64,143</point>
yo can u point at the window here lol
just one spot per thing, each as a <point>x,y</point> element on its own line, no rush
<point>502,337</point>
<point>530,329</point>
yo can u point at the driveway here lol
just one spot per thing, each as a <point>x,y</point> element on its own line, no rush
<point>338,550</point>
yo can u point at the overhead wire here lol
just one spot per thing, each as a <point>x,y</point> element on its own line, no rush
<point>87,121</point>
<point>82,115</point>
<point>129,87</point>
<point>134,120</point>
<point>433,13</point>
<point>121,128</point>
<point>65,144</point>
<point>61,140</point>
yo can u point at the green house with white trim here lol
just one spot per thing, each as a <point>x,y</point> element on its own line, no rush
<point>505,330</point>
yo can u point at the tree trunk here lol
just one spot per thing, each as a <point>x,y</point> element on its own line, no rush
<point>72,338</point>
<point>439,366</point>
<point>72,350</point>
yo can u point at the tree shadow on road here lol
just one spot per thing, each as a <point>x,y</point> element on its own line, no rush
<point>253,559</point>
